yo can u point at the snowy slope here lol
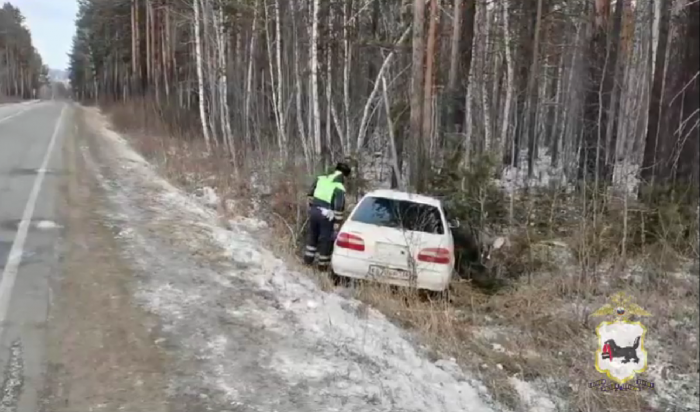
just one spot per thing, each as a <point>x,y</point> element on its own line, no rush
<point>248,333</point>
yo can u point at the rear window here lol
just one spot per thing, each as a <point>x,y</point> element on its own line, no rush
<point>399,214</point>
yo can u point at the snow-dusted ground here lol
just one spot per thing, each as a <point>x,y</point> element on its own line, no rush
<point>677,393</point>
<point>248,333</point>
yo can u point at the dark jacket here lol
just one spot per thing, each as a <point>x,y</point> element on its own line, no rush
<point>337,204</point>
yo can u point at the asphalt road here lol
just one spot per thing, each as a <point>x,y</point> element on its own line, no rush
<point>30,164</point>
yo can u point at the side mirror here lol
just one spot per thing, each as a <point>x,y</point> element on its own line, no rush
<point>453,223</point>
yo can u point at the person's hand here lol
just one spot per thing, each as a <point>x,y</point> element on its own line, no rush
<point>336,227</point>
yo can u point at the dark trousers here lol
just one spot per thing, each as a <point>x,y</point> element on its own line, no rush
<point>319,239</point>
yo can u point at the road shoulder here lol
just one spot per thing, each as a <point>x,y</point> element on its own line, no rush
<point>100,346</point>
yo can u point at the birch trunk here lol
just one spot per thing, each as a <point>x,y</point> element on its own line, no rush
<point>208,73</point>
<point>532,88</point>
<point>280,97</point>
<point>314,78</point>
<point>431,52</point>
<point>200,75</point>
<point>164,39</point>
<point>249,77</point>
<point>510,75</point>
<point>329,94</point>
<point>347,61</point>
<point>298,96</point>
<point>273,83</point>
<point>468,124</point>
<point>223,89</point>
<point>496,84</point>
<point>485,101</point>
<point>134,29</point>
<point>556,131</point>
<point>149,67</point>
<point>418,55</point>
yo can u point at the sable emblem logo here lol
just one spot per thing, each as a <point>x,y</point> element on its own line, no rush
<point>621,354</point>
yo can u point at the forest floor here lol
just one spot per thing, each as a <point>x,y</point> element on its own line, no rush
<point>529,347</point>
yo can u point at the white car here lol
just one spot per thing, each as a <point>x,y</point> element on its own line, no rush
<point>397,238</point>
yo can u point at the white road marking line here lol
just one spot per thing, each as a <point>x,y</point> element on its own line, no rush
<point>13,115</point>
<point>9,274</point>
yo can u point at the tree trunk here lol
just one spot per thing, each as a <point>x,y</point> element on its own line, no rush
<point>613,89</point>
<point>427,132</point>
<point>485,100</point>
<point>417,100</point>
<point>298,94</point>
<point>510,85</point>
<point>687,160</point>
<point>347,66</point>
<point>314,78</point>
<point>595,114</point>
<point>276,78</point>
<point>392,139</point>
<point>200,75</point>
<point>458,102</point>
<point>249,77</point>
<point>283,139</point>
<point>223,92</point>
<point>555,132</point>
<point>649,167</point>
<point>328,155</point>
<point>454,48</point>
<point>532,94</point>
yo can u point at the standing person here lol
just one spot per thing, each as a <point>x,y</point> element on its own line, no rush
<point>326,208</point>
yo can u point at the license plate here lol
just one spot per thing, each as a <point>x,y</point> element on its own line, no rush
<point>382,272</point>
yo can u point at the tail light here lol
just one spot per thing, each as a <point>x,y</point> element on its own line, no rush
<point>435,255</point>
<point>349,241</point>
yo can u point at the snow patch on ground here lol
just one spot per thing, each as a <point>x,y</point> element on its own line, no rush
<point>47,224</point>
<point>253,334</point>
<point>207,196</point>
<point>532,399</point>
<point>679,393</point>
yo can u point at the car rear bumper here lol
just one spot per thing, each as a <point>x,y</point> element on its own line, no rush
<point>351,267</point>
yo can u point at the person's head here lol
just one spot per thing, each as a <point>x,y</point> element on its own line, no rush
<point>343,168</point>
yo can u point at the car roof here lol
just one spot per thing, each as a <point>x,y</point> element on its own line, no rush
<point>411,197</point>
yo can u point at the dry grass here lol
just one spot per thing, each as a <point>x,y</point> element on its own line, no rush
<point>538,329</point>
